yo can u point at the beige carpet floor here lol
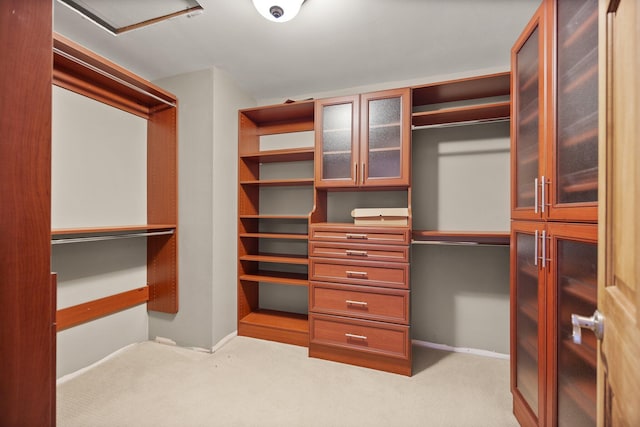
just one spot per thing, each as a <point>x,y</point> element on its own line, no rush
<point>251,382</point>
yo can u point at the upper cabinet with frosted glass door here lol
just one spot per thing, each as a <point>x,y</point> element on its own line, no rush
<point>555,126</point>
<point>573,131</point>
<point>363,140</point>
<point>527,119</point>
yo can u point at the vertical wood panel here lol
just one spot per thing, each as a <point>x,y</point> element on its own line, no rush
<point>27,344</point>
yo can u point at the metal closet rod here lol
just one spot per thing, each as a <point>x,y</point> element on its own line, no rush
<point>452,243</point>
<point>111,76</point>
<point>109,237</point>
<point>464,123</point>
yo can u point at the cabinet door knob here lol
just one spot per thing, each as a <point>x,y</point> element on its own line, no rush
<point>594,323</point>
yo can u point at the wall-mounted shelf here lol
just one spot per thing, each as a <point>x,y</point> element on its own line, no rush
<point>461,237</point>
<point>82,71</point>
<point>486,112</point>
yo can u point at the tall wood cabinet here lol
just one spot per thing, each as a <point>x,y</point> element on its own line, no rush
<point>554,213</point>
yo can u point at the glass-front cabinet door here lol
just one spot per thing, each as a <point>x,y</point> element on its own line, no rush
<point>574,189</point>
<point>573,358</point>
<point>337,142</point>
<point>364,140</point>
<point>527,321</point>
<point>385,138</point>
<point>527,150</point>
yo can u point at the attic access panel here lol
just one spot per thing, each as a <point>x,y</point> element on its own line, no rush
<point>120,16</point>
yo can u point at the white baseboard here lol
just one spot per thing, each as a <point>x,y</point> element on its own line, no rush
<point>217,346</point>
<point>81,371</point>
<point>477,352</point>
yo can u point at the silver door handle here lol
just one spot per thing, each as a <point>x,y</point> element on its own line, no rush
<point>535,195</point>
<point>594,323</point>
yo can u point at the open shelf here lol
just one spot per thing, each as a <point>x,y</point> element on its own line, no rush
<point>278,277</point>
<point>461,89</point>
<point>492,111</point>
<point>461,237</point>
<point>279,182</point>
<point>269,216</point>
<point>290,328</point>
<point>301,111</point>
<point>284,155</point>
<point>277,258</point>
<point>284,236</point>
<point>111,229</point>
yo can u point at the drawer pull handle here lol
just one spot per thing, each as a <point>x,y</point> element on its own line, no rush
<point>356,236</point>
<point>357,274</point>
<point>356,253</point>
<point>361,303</point>
<point>358,337</point>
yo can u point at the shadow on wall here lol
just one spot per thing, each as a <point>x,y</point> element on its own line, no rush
<point>460,296</point>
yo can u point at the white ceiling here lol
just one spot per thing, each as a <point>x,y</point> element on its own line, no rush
<point>331,44</point>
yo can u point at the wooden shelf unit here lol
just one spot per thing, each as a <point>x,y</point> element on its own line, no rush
<point>83,72</point>
<point>468,89</point>
<point>256,266</point>
<point>473,92</point>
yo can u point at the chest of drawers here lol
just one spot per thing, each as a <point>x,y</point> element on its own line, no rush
<point>359,296</point>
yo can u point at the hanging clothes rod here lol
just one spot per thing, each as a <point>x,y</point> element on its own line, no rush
<point>112,77</point>
<point>453,243</point>
<point>110,237</point>
<point>464,123</point>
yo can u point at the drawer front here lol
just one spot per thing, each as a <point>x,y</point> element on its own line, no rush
<point>362,335</point>
<point>389,275</point>
<point>386,305</point>
<point>367,252</point>
<point>382,235</point>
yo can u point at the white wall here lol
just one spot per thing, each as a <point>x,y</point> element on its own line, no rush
<point>98,179</point>
<point>208,103</point>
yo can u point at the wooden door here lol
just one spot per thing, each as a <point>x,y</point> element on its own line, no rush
<point>27,318</point>
<point>528,323</point>
<point>571,179</point>
<point>385,138</point>
<point>527,126</point>
<point>571,258</point>
<point>619,251</point>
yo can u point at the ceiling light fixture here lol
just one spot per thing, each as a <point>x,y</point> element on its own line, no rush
<point>278,10</point>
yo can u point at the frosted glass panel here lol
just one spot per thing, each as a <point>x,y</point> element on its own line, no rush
<point>527,134</point>
<point>337,137</point>
<point>384,135</point>
<point>527,320</point>
<point>577,293</point>
<point>577,130</point>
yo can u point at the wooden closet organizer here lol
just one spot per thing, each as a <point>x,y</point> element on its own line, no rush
<point>82,71</point>
<point>358,308</point>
